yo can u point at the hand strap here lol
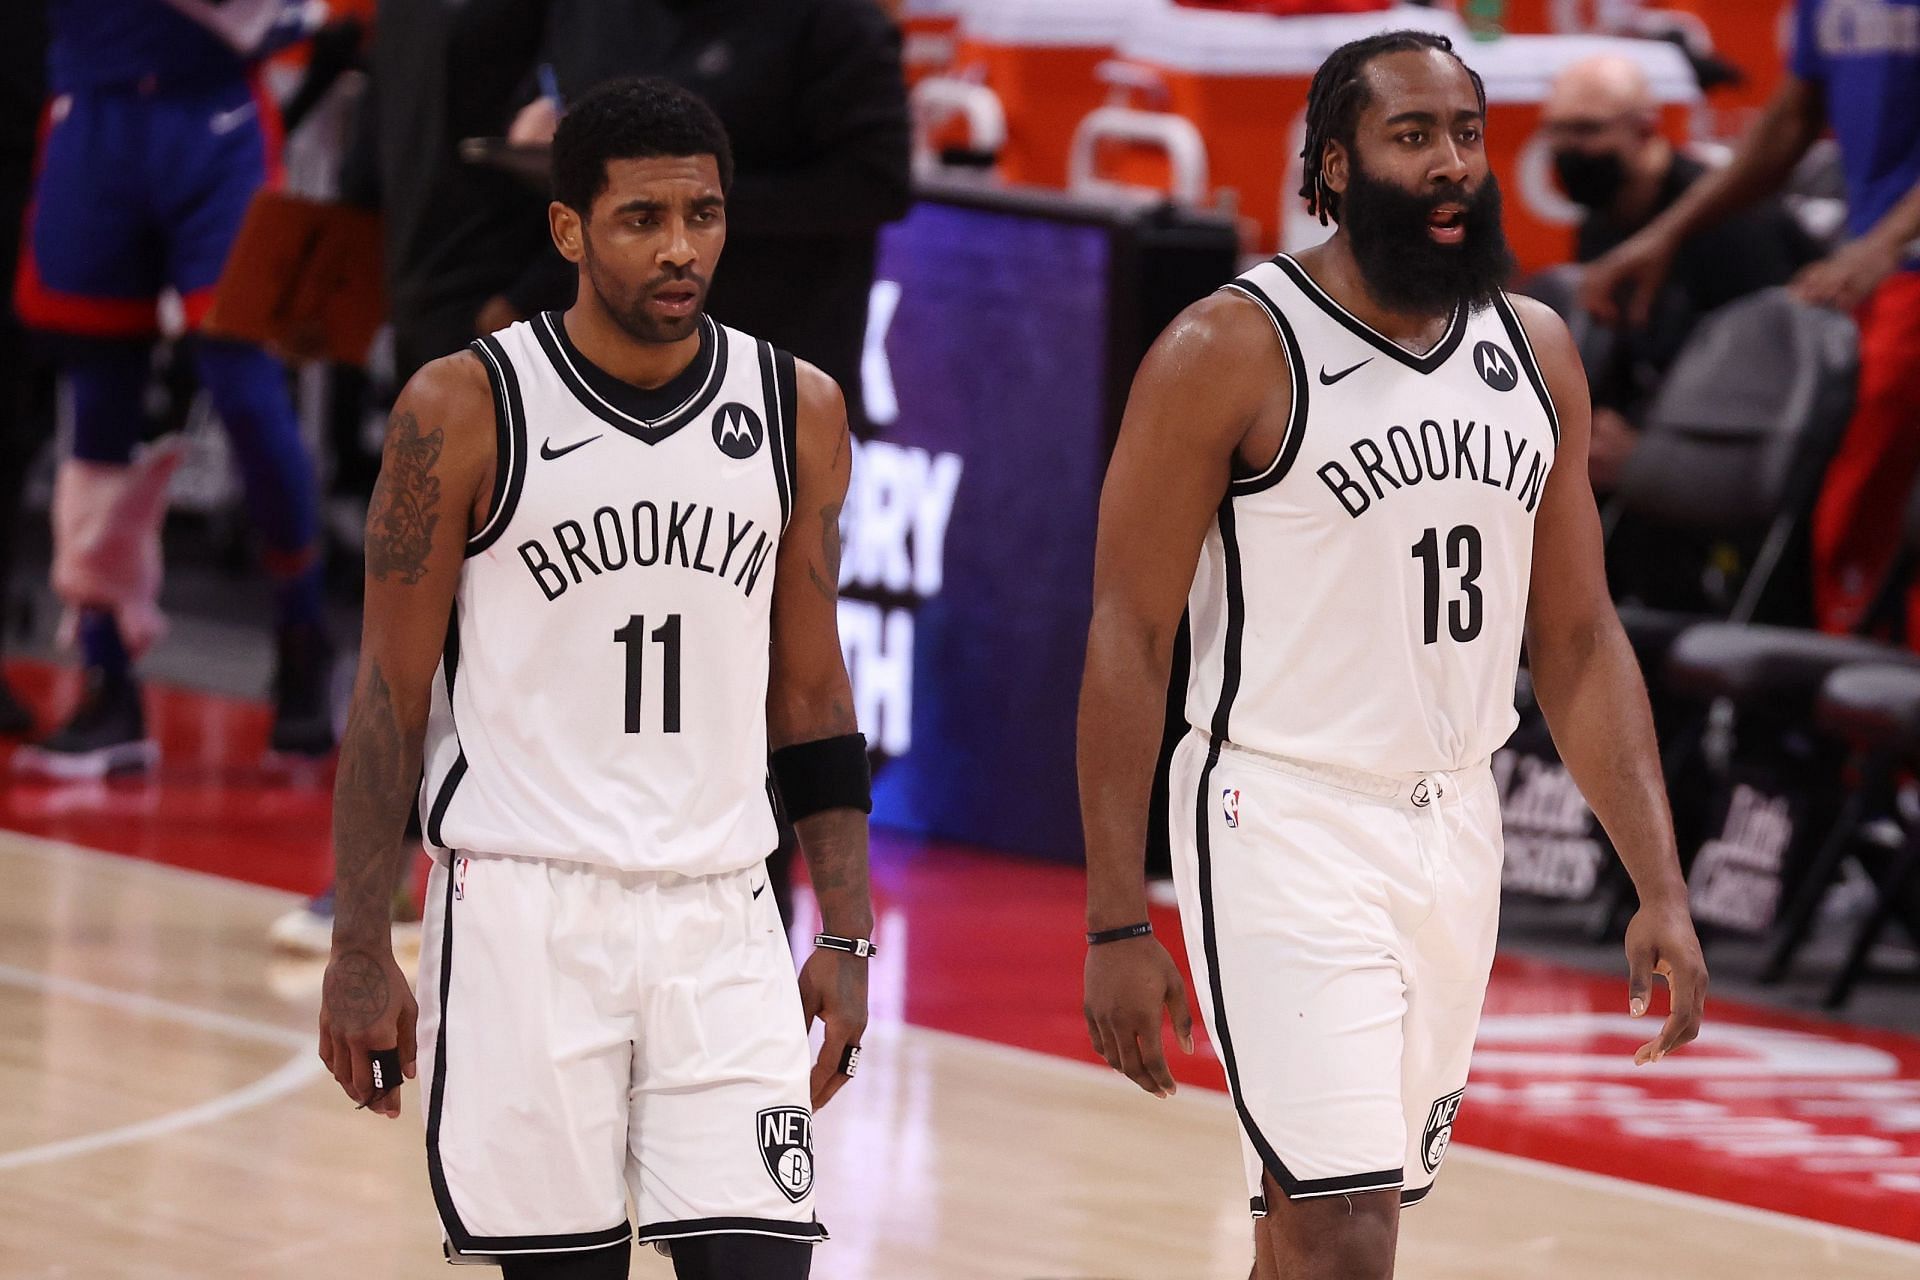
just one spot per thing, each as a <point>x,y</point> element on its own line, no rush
<point>861,948</point>
<point>1125,931</point>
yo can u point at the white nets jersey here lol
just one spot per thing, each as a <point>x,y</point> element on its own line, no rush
<point>1361,602</point>
<point>602,698</point>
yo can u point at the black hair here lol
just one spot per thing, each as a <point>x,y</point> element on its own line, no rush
<point>1339,94</point>
<point>632,119</point>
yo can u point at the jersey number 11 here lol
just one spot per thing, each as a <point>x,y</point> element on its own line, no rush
<point>635,636</point>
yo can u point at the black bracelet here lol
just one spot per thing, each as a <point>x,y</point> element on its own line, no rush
<point>1121,934</point>
<point>862,948</point>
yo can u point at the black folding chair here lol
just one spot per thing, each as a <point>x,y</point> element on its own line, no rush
<point>1774,679</point>
<point>1733,448</point>
<point>1875,708</point>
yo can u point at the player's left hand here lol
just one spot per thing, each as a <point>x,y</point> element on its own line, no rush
<point>1847,277</point>
<point>1661,940</point>
<point>833,988</point>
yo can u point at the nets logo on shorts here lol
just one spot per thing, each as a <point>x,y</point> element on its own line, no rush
<point>1439,1135</point>
<point>737,430</point>
<point>1230,806</point>
<point>786,1145</point>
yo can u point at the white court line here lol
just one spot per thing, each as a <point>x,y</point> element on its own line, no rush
<point>292,1075</point>
<point>154,1007</point>
<point>1026,1059</point>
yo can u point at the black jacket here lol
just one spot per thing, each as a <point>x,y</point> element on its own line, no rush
<point>1752,250</point>
<point>456,233</point>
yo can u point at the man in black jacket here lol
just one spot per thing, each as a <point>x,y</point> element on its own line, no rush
<point>812,97</point>
<point>1610,157</point>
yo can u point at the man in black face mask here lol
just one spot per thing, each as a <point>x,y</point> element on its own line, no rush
<point>1609,156</point>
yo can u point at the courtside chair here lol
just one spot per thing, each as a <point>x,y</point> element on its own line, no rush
<point>1875,709</point>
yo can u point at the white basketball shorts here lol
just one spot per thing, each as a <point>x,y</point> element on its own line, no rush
<point>1340,927</point>
<point>590,1036</point>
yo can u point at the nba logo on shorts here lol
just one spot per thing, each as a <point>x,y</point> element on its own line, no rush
<point>1439,1134</point>
<point>786,1145</point>
<point>1230,806</point>
<point>460,879</point>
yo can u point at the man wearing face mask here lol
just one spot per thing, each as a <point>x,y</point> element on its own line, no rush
<point>1610,158</point>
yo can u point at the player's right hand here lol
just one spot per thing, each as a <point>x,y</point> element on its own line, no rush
<point>1127,985</point>
<point>366,1004</point>
<point>1621,285</point>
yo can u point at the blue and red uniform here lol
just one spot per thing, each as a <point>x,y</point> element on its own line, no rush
<point>1863,56</point>
<point>156,137</point>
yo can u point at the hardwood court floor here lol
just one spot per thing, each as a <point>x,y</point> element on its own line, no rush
<point>165,1116</point>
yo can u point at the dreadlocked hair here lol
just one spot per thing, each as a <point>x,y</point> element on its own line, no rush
<point>1335,100</point>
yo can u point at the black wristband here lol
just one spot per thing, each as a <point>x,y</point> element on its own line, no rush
<point>830,773</point>
<point>1121,934</point>
<point>863,948</point>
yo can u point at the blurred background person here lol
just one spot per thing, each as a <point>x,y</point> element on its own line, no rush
<point>814,101</point>
<point>157,137</point>
<point>1603,124</point>
<point>458,235</point>
<point>1855,68</point>
<point>22,428</point>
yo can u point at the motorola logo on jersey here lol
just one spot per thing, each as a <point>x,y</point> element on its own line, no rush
<point>894,530</point>
<point>737,430</point>
<point>1496,367</point>
<point>786,1146</point>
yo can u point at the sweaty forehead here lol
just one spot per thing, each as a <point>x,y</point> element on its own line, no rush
<point>1428,80</point>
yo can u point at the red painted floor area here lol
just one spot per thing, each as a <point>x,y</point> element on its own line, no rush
<point>1780,1112</point>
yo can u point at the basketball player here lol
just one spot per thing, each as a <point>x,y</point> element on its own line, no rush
<point>1361,471</point>
<point>601,577</point>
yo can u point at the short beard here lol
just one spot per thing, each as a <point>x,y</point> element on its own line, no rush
<point>1404,269</point>
<point>628,307</point>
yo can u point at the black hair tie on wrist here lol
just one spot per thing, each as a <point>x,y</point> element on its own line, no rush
<point>1125,931</point>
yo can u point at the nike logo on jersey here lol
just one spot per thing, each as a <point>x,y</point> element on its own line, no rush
<point>224,122</point>
<point>548,452</point>
<point>1328,379</point>
<point>762,889</point>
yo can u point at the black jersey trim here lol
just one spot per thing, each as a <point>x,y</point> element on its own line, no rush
<point>1523,347</point>
<point>810,1232</point>
<point>1294,1188</point>
<point>510,443</point>
<point>1236,624</point>
<point>778,383</point>
<point>450,663</point>
<point>448,785</point>
<point>1282,463</point>
<point>1427,363</point>
<point>1414,1196</point>
<point>647,415</point>
<point>462,1240</point>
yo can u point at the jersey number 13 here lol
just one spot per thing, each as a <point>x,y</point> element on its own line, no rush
<point>1466,613</point>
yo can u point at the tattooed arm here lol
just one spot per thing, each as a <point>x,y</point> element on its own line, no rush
<point>437,466</point>
<point>808,698</point>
